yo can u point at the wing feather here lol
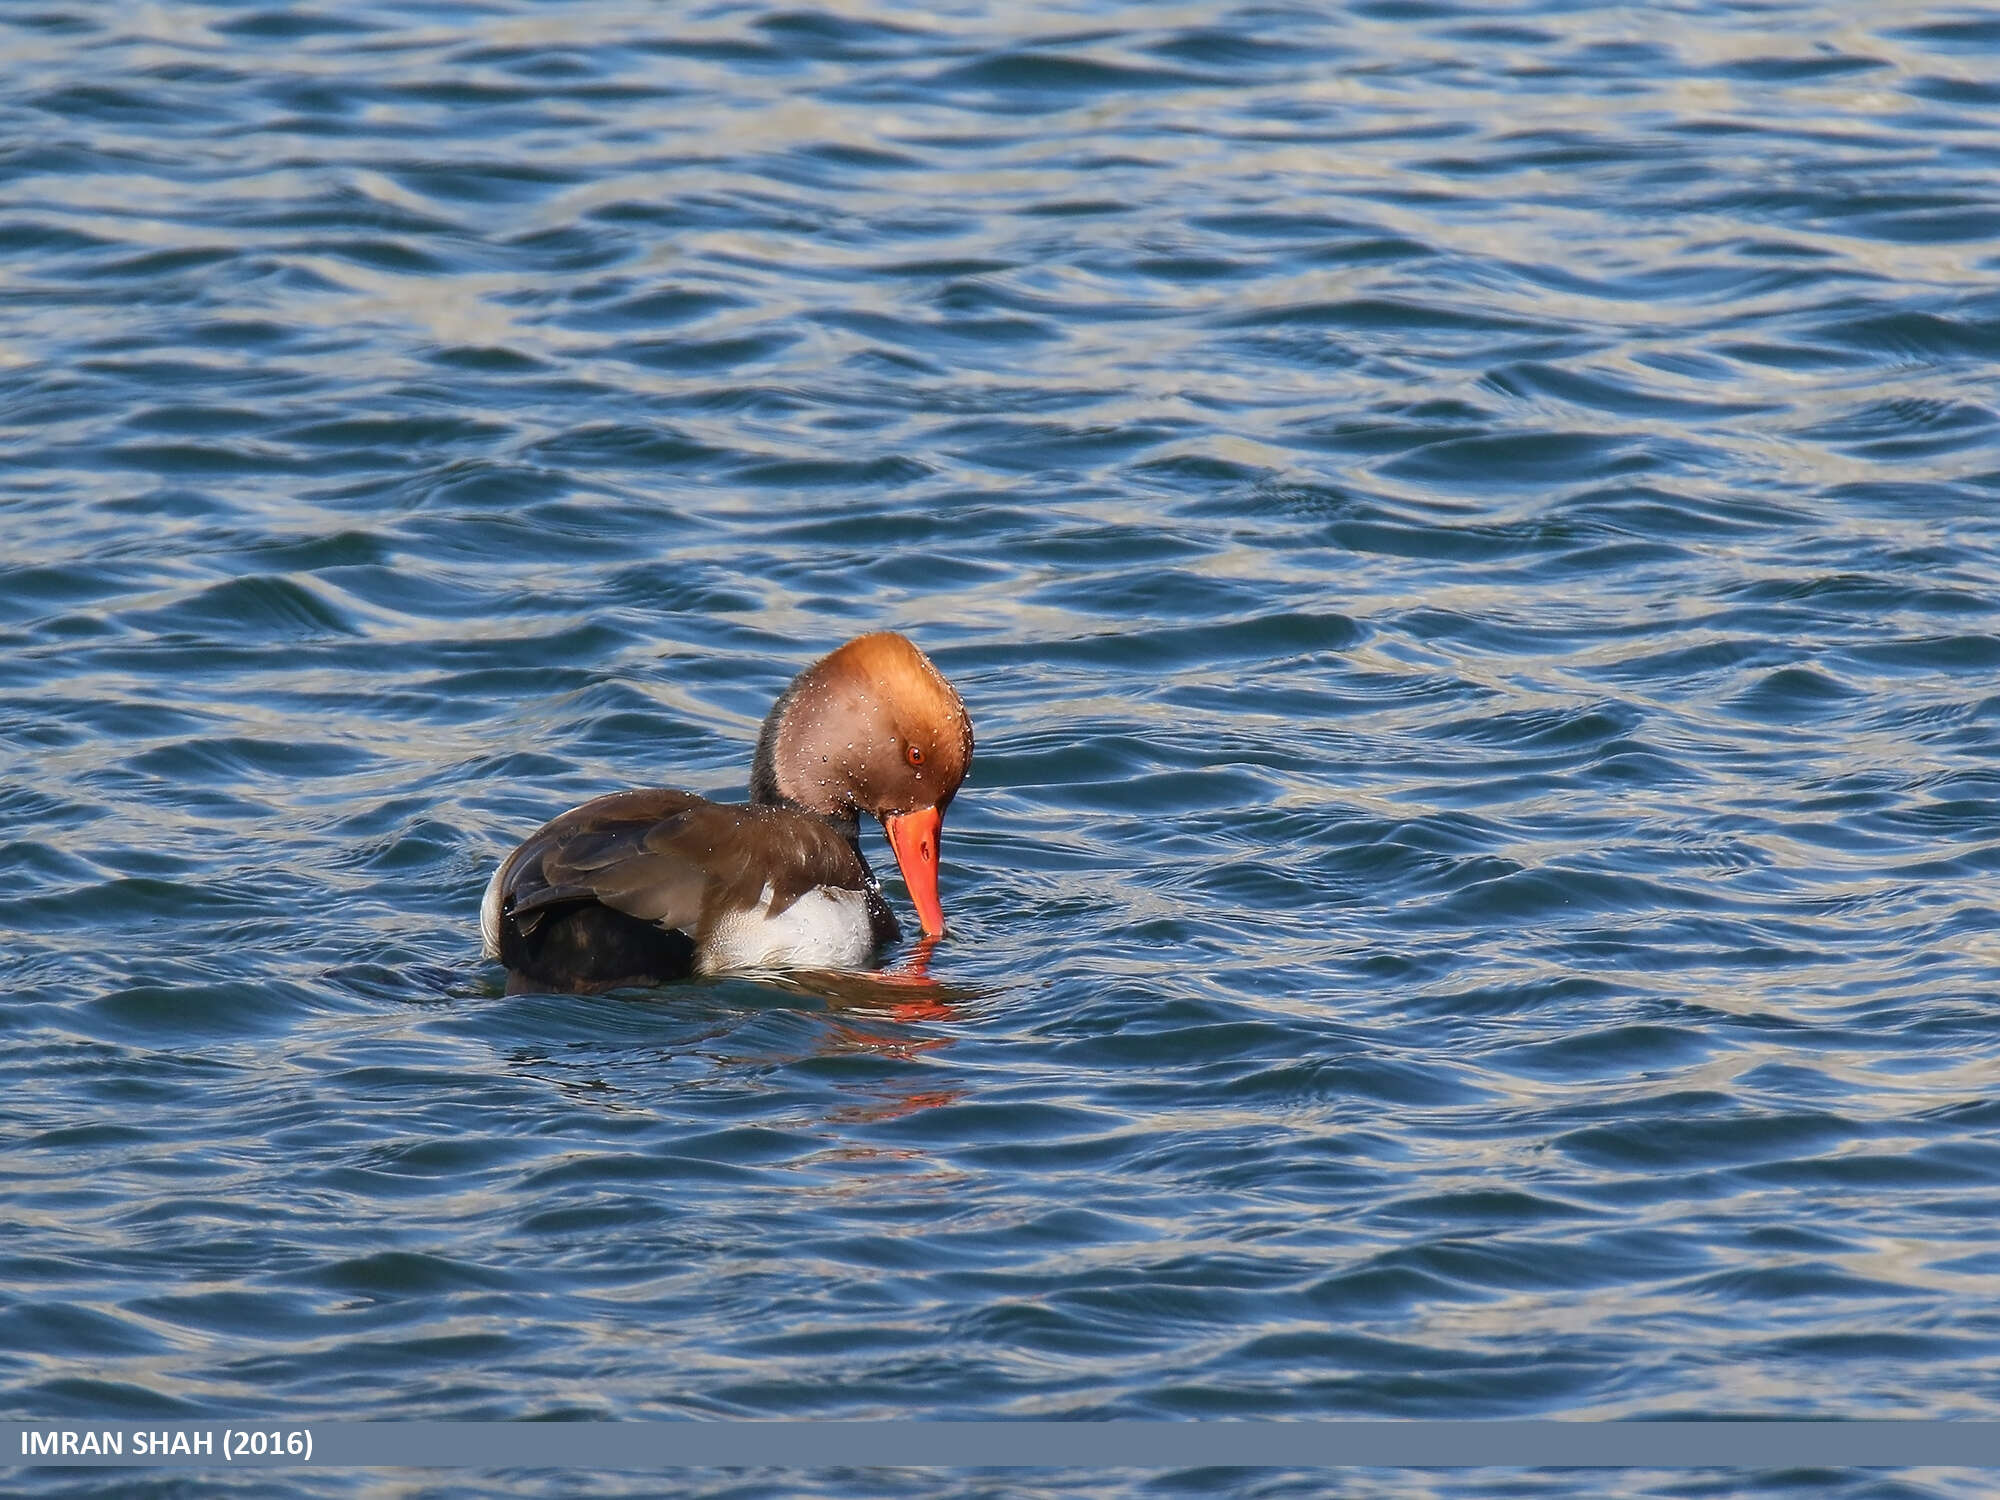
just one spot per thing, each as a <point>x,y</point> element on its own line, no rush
<point>674,859</point>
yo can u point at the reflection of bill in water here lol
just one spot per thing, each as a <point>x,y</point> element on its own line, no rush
<point>903,992</point>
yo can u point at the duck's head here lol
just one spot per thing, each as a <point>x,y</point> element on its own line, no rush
<point>872,727</point>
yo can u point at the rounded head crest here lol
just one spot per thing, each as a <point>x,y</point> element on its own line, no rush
<point>870,727</point>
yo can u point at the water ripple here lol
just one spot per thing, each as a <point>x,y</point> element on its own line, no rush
<point>1469,539</point>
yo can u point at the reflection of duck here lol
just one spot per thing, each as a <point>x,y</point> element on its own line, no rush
<point>644,886</point>
<point>903,993</point>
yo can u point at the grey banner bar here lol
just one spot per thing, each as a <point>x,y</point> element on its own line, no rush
<point>1146,1445</point>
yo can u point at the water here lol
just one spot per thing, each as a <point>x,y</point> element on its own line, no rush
<point>1468,534</point>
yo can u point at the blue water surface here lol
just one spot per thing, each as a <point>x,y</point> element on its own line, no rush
<point>1470,533</point>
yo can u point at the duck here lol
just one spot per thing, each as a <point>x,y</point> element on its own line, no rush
<point>648,886</point>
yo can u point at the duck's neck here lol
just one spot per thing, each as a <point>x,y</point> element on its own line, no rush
<point>767,779</point>
<point>764,764</point>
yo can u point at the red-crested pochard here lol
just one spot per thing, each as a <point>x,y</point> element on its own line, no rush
<point>640,887</point>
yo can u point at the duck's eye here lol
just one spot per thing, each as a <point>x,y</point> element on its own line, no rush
<point>916,754</point>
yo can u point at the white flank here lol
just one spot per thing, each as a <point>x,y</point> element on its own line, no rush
<point>826,928</point>
<point>489,913</point>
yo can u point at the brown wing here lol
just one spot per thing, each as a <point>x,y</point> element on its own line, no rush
<point>673,859</point>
